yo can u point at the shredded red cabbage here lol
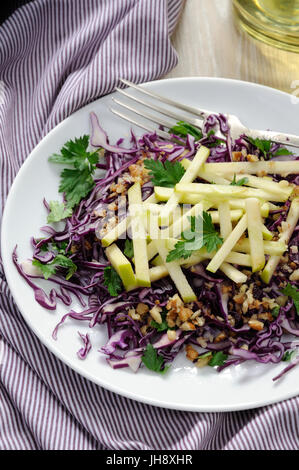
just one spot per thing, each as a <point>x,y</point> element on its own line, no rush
<point>126,340</point>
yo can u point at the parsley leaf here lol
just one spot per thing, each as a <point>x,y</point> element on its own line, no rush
<point>58,212</point>
<point>182,129</point>
<point>78,182</point>
<point>265,147</point>
<point>201,234</point>
<point>288,355</point>
<point>282,151</point>
<point>159,326</point>
<point>152,360</point>
<point>129,250</point>
<point>218,359</point>
<point>44,248</point>
<point>61,261</point>
<point>292,292</point>
<point>46,269</point>
<point>214,141</point>
<point>178,252</point>
<point>167,174</point>
<point>112,281</point>
<point>240,182</point>
<point>60,247</point>
<point>74,152</point>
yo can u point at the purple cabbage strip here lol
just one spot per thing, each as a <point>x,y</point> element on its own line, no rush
<point>99,138</point>
<point>82,353</point>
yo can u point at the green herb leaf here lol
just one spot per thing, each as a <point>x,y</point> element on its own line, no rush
<point>275,311</point>
<point>182,129</point>
<point>288,355</point>
<point>129,250</point>
<point>60,247</point>
<point>202,233</point>
<point>74,152</point>
<point>112,281</point>
<point>153,361</point>
<point>218,359</point>
<point>167,174</point>
<point>240,182</point>
<point>265,147</point>
<point>178,252</point>
<point>78,182</point>
<point>58,212</point>
<point>282,151</point>
<point>292,292</point>
<point>161,326</point>
<point>44,248</point>
<point>46,269</point>
<point>215,141</point>
<point>60,261</point>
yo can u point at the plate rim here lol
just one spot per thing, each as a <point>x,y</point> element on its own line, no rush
<point>49,345</point>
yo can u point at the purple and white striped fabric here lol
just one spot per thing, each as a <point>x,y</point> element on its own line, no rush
<point>56,56</point>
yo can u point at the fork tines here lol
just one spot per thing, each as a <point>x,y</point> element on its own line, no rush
<point>157,119</point>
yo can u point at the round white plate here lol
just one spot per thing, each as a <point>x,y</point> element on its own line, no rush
<point>184,387</point>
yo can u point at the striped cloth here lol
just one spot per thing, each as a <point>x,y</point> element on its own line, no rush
<point>56,56</point>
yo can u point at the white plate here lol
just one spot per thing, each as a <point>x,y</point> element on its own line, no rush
<point>184,387</point>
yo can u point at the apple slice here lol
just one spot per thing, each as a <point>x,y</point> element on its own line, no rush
<point>122,226</point>
<point>116,232</point>
<point>220,192</point>
<point>176,274</point>
<point>266,207</point>
<point>232,216</point>
<point>122,266</point>
<point>233,273</point>
<point>267,235</point>
<point>225,219</point>
<point>270,167</point>
<point>190,174</point>
<point>160,271</point>
<point>178,226</point>
<point>267,184</point>
<point>270,248</point>
<point>164,194</point>
<point>204,174</point>
<point>255,234</point>
<point>228,245</point>
<point>138,236</point>
<point>288,229</point>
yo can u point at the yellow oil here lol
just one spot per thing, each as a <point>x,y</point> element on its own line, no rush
<point>272,21</point>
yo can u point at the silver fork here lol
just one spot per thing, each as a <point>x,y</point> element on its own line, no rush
<point>236,127</point>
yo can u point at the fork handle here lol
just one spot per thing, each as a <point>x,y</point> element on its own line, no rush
<point>290,140</point>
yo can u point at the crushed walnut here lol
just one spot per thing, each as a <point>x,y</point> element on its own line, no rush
<point>139,173</point>
<point>155,313</point>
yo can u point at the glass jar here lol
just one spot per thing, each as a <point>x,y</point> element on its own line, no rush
<point>275,22</point>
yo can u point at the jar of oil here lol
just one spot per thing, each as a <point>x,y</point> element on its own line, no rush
<point>273,21</point>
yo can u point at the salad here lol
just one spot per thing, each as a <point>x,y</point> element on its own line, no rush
<point>181,246</point>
